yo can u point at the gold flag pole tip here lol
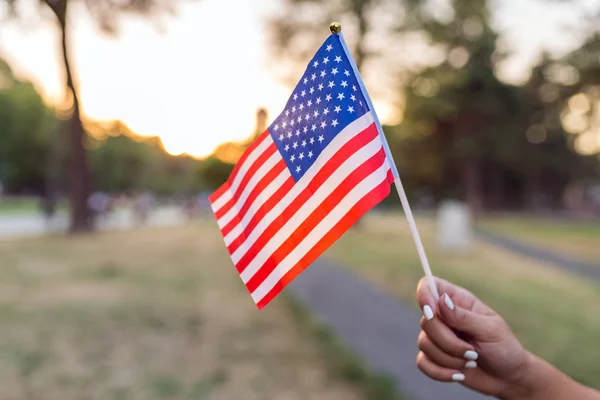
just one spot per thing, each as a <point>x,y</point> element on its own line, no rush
<point>335,27</point>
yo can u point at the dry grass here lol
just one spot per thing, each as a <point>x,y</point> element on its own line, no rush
<point>556,314</point>
<point>145,315</point>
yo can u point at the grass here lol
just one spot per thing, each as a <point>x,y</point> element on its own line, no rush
<point>153,314</point>
<point>554,313</point>
<point>575,239</point>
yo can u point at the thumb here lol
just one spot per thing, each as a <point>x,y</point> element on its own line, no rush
<point>478,326</point>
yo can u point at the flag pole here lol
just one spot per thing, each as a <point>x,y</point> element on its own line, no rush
<point>336,29</point>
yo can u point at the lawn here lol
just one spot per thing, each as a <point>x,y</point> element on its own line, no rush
<point>578,240</point>
<point>155,313</point>
<point>554,313</point>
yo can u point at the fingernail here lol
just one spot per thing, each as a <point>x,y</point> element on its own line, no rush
<point>427,312</point>
<point>471,364</point>
<point>458,377</point>
<point>448,302</point>
<point>471,355</point>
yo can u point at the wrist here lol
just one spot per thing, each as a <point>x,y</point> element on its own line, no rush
<point>528,382</point>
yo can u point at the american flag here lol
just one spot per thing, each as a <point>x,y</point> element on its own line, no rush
<point>303,182</point>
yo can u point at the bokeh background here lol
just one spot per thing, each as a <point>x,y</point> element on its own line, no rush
<point>119,117</point>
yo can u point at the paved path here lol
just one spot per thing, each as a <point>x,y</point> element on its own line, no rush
<point>560,261</point>
<point>379,328</point>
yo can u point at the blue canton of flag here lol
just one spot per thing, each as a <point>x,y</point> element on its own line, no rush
<point>324,102</point>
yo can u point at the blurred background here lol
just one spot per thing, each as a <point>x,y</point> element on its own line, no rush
<point>119,117</point>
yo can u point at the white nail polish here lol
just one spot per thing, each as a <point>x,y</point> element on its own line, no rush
<point>458,377</point>
<point>471,364</point>
<point>427,312</point>
<point>471,355</point>
<point>448,302</point>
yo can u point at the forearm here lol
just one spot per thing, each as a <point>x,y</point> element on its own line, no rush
<point>542,381</point>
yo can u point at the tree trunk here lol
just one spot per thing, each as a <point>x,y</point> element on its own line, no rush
<point>472,180</point>
<point>79,182</point>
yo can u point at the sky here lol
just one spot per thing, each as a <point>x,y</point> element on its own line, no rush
<point>200,82</point>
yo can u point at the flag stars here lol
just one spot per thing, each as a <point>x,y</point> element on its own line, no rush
<point>346,72</point>
<point>292,123</point>
<point>303,93</point>
<point>287,147</point>
<point>313,77</point>
<point>353,98</point>
<point>329,47</point>
<point>305,81</point>
<point>325,111</point>
<point>312,90</point>
<point>287,113</point>
<point>297,132</point>
<point>341,96</point>
<point>334,123</point>
<point>328,97</point>
<point>354,88</point>
<point>338,59</point>
<point>337,109</point>
<point>301,156</point>
<point>313,127</point>
<point>323,124</point>
<point>344,83</point>
<point>300,107</point>
<point>350,109</point>
<point>325,60</point>
<point>305,129</point>
<point>312,140</point>
<point>307,117</point>
<point>309,103</point>
<point>316,114</point>
<point>321,138</point>
<point>310,154</point>
<point>318,101</point>
<point>298,169</point>
<point>289,135</point>
<point>320,86</point>
<point>331,84</point>
<point>299,119</point>
<point>293,158</point>
<point>284,124</point>
<point>316,64</point>
<point>294,109</point>
<point>295,96</point>
<point>277,127</point>
<point>334,71</point>
<point>304,143</point>
<point>323,73</point>
<point>281,137</point>
<point>295,145</point>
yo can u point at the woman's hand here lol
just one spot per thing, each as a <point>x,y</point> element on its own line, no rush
<point>462,339</point>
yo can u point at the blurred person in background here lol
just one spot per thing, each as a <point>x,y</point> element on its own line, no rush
<point>142,207</point>
<point>463,340</point>
<point>100,204</point>
<point>48,205</point>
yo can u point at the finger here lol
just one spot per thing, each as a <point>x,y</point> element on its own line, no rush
<point>426,300</point>
<point>443,337</point>
<point>438,356</point>
<point>479,326</point>
<point>438,372</point>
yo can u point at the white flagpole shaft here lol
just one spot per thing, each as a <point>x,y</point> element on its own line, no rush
<point>398,183</point>
<point>416,237</point>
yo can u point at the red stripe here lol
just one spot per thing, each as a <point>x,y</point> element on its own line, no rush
<point>213,197</point>
<point>260,213</point>
<point>258,189</point>
<point>306,227</point>
<point>370,200</point>
<point>351,147</point>
<point>260,160</point>
<point>245,155</point>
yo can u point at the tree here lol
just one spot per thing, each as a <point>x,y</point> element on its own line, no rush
<point>106,13</point>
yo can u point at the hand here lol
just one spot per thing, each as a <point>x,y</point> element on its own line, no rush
<point>464,340</point>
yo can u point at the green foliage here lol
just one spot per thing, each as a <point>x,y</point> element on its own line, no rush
<point>214,172</point>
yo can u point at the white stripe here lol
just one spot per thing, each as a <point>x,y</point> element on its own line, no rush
<point>317,198</point>
<point>225,197</point>
<point>321,229</point>
<point>258,175</point>
<point>261,199</point>
<point>337,143</point>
